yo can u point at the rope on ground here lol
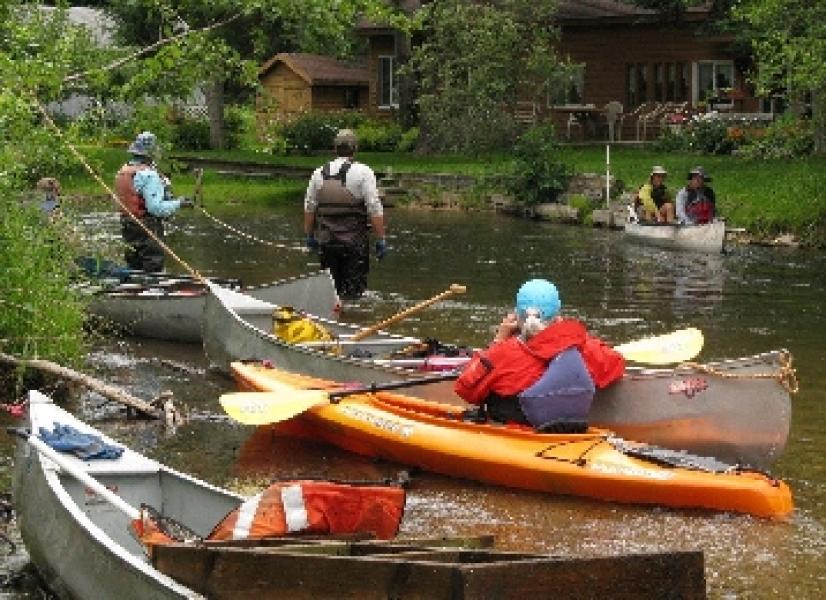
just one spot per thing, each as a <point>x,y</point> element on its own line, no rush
<point>240,233</point>
<point>786,376</point>
<point>48,119</point>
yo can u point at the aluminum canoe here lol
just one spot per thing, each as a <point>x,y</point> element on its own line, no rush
<point>78,541</point>
<point>172,308</point>
<point>702,238</point>
<point>239,327</point>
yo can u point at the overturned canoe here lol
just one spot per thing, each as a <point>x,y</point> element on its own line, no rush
<point>701,238</point>
<point>595,464</point>
<point>172,308</point>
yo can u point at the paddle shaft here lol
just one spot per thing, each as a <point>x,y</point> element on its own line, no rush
<point>392,385</point>
<point>79,474</point>
<point>454,289</point>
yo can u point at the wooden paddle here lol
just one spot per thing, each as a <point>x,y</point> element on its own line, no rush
<point>259,408</point>
<point>453,289</point>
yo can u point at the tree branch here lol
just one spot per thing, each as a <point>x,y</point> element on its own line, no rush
<point>143,51</point>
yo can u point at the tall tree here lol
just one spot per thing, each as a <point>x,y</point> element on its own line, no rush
<point>789,43</point>
<point>475,60</point>
<point>226,59</point>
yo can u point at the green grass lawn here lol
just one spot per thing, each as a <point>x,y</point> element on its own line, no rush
<point>763,196</point>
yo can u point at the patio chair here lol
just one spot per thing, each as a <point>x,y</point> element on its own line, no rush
<point>572,123</point>
<point>613,117</point>
<point>649,119</point>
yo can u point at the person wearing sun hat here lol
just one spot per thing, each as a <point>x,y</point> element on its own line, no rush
<point>541,369</point>
<point>145,200</point>
<point>696,203</point>
<point>655,199</point>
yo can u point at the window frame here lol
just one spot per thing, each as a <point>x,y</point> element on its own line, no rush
<point>391,89</point>
<point>714,64</point>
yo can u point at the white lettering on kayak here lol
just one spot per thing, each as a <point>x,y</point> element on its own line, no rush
<point>631,471</point>
<point>378,421</point>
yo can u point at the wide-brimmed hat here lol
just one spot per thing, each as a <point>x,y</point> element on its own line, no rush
<point>146,144</point>
<point>699,171</point>
<point>658,170</point>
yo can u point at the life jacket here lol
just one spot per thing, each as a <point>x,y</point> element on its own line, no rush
<point>700,208</point>
<point>340,216</point>
<point>510,366</point>
<point>315,508</point>
<point>125,190</point>
<point>294,329</point>
<point>564,391</point>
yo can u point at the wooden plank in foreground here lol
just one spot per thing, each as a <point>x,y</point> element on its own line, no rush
<point>427,572</point>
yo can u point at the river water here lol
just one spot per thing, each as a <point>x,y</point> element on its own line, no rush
<point>748,301</point>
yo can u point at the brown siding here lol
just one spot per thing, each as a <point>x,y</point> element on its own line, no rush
<point>290,92</point>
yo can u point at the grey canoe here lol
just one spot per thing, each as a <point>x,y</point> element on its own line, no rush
<point>736,410</point>
<point>702,238</point>
<point>80,542</point>
<point>172,309</point>
<point>238,327</point>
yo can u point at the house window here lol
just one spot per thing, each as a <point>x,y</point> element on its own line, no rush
<point>351,97</point>
<point>659,82</point>
<point>714,80</point>
<point>682,82</point>
<point>568,89</point>
<point>671,82</point>
<point>636,84</point>
<point>388,92</point>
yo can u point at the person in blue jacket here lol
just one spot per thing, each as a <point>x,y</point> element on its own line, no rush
<point>145,200</point>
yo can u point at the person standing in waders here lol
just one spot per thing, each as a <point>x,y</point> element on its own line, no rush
<point>145,200</point>
<point>342,200</point>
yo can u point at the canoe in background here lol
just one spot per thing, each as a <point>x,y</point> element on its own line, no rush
<point>701,238</point>
<point>594,464</point>
<point>77,540</point>
<point>172,308</point>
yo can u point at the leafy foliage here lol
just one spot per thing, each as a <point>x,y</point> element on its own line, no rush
<point>787,137</point>
<point>538,173</point>
<point>475,61</point>
<point>40,315</point>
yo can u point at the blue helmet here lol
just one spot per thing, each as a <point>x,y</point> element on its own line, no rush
<point>146,144</point>
<point>539,294</point>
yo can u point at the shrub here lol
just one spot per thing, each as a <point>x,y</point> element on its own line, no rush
<point>787,137</point>
<point>375,136</point>
<point>314,131</point>
<point>191,134</point>
<point>408,140</point>
<point>538,173</point>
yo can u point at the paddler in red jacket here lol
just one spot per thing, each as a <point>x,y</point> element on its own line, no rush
<point>540,370</point>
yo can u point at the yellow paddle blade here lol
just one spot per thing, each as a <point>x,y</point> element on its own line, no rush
<point>260,408</point>
<point>677,346</point>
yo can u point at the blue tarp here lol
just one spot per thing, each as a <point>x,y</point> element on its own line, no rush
<point>87,446</point>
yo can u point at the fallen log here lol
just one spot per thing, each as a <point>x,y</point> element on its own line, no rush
<point>104,389</point>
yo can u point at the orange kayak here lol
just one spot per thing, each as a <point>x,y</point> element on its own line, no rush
<point>595,464</point>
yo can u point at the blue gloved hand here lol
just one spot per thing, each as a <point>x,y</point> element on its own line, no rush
<point>381,249</point>
<point>312,243</point>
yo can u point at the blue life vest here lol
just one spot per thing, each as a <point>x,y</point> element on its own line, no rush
<point>565,391</point>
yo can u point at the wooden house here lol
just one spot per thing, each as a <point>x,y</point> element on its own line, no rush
<point>294,83</point>
<point>651,64</point>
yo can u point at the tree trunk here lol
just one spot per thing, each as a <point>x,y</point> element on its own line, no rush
<point>215,112</point>
<point>819,120</point>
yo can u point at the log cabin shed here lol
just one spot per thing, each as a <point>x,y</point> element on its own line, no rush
<point>294,83</point>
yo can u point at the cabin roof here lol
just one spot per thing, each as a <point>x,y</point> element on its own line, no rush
<point>318,69</point>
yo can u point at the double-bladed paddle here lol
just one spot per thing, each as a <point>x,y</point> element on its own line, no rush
<point>260,408</point>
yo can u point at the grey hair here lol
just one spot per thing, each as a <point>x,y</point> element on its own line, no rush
<point>531,324</point>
